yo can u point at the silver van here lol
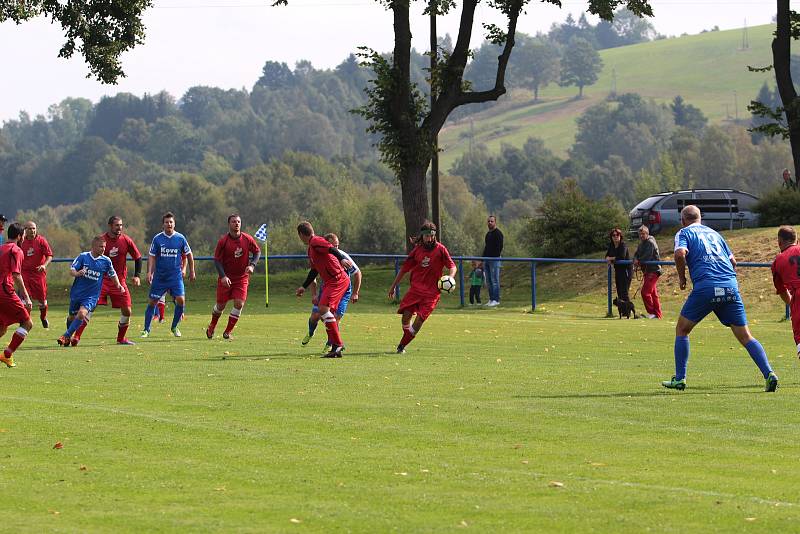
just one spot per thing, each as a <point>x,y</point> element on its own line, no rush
<point>721,209</point>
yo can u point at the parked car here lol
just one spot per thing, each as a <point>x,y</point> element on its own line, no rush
<point>721,209</point>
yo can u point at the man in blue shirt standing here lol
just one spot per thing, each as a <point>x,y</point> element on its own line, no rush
<point>88,270</point>
<point>714,288</point>
<point>165,273</point>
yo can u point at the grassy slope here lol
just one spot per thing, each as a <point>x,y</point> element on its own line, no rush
<point>495,420</point>
<point>705,69</point>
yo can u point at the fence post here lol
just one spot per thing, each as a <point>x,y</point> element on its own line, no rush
<point>533,286</point>
<point>608,313</point>
<point>461,281</point>
<point>396,270</point>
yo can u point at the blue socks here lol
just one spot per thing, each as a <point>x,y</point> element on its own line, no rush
<point>681,356</point>
<point>148,316</point>
<point>759,356</point>
<point>312,327</point>
<point>74,325</point>
<point>178,315</point>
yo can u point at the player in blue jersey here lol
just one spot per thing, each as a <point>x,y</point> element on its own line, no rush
<point>165,273</point>
<point>88,270</point>
<point>714,289</point>
<point>351,294</point>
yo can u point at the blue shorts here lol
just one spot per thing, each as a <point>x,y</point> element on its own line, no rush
<point>90,303</point>
<point>342,307</point>
<point>725,302</point>
<point>159,287</point>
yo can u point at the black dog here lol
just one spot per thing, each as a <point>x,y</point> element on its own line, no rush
<point>626,308</point>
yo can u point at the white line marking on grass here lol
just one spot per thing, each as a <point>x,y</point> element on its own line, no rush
<point>688,491</point>
<point>141,415</point>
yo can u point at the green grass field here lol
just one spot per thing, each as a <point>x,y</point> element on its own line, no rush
<point>495,420</point>
<point>709,70</point>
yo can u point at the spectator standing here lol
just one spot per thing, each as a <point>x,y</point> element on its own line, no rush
<point>648,251</point>
<point>787,180</point>
<point>475,282</point>
<point>618,251</point>
<point>493,248</point>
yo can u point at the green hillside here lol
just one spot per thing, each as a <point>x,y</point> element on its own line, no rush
<point>709,70</point>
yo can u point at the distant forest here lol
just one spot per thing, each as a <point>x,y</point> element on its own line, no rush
<point>291,148</point>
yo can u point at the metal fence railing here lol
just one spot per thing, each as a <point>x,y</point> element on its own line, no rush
<point>534,262</point>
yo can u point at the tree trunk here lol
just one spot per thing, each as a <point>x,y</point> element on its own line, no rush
<point>781,57</point>
<point>415,199</point>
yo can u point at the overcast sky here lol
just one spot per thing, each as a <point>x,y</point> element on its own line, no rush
<point>224,43</point>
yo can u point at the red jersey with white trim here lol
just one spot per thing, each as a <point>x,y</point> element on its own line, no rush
<point>322,261</point>
<point>234,254</point>
<point>34,252</point>
<point>426,267</point>
<point>10,263</point>
<point>117,250</point>
<point>786,269</point>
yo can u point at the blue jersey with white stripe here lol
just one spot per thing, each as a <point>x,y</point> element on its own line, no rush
<point>354,268</point>
<point>88,286</point>
<point>707,257</point>
<point>168,252</point>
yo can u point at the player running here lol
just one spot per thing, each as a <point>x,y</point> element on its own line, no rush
<point>234,268</point>
<point>164,272</point>
<point>118,247</point>
<point>786,276</point>
<point>88,269</point>
<point>327,261</point>
<point>425,262</point>
<point>354,273</point>
<point>714,288</point>
<point>12,309</point>
<point>37,255</point>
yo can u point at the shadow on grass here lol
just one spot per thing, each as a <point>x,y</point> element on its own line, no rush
<point>654,394</point>
<point>291,355</point>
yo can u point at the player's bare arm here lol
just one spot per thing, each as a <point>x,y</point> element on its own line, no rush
<point>137,270</point>
<point>311,278</point>
<point>21,289</point>
<point>452,272</point>
<point>151,268</point>
<point>43,267</point>
<point>680,266</point>
<point>120,287</point>
<point>785,295</point>
<point>78,273</point>
<point>190,262</point>
<point>356,285</point>
<point>395,283</point>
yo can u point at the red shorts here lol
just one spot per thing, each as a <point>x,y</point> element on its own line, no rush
<point>420,303</point>
<point>36,284</point>
<point>333,291</point>
<point>118,298</point>
<point>237,291</point>
<point>794,308</point>
<point>12,311</point>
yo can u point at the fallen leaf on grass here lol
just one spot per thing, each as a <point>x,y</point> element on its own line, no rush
<point>402,474</point>
<point>749,518</point>
<point>83,468</point>
<point>555,484</point>
<point>295,521</point>
<point>463,524</point>
<point>58,445</point>
<point>54,512</point>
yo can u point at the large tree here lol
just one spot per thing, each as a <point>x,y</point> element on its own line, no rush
<point>100,30</point>
<point>398,112</point>
<point>785,119</point>
<point>580,65</point>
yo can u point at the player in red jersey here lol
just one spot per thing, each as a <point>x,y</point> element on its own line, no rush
<point>331,265</point>
<point>425,263</point>
<point>37,255</point>
<point>786,276</point>
<point>235,258</point>
<point>12,309</point>
<point>118,247</point>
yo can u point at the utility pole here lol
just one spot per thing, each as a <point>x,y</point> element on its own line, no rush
<point>433,7</point>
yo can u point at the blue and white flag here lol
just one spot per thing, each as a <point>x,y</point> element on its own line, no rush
<point>261,233</point>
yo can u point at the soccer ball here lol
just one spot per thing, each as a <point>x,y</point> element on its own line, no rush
<point>446,284</point>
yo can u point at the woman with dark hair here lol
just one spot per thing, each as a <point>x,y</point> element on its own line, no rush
<point>617,250</point>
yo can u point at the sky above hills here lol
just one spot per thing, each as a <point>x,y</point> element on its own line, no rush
<point>224,43</point>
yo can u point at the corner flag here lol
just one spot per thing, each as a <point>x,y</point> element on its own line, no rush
<point>261,235</point>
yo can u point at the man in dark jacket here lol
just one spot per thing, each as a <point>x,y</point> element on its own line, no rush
<point>493,248</point>
<point>648,251</point>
